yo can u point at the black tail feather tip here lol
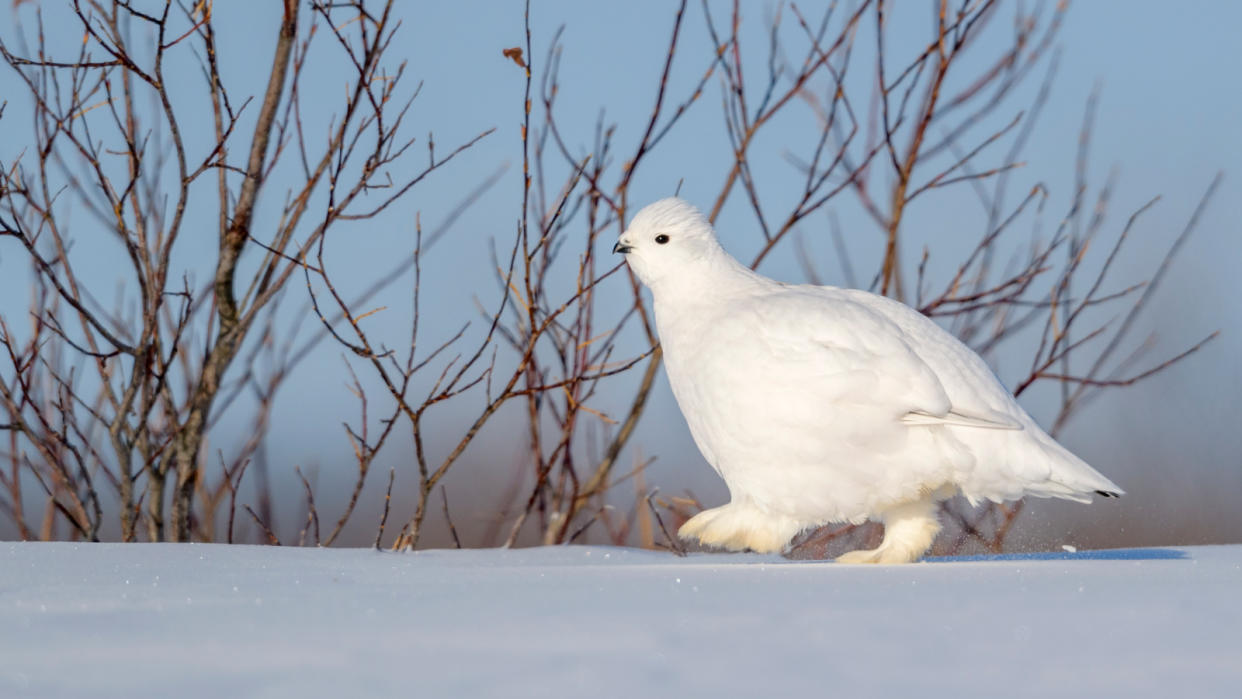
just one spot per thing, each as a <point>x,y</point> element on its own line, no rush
<point>1108,493</point>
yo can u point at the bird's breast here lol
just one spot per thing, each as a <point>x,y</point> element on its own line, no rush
<point>738,387</point>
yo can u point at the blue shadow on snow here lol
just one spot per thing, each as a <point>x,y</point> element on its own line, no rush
<point>1100,555</point>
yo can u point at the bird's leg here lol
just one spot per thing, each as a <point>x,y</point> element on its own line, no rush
<point>740,526</point>
<point>909,530</point>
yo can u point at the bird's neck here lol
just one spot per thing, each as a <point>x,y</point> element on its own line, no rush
<point>699,293</point>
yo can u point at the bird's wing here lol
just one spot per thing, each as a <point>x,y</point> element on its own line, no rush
<point>851,340</point>
<point>979,399</point>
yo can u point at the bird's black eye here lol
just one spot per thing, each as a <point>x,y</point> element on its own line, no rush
<point>662,239</point>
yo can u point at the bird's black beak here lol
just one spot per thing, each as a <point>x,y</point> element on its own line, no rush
<point>621,248</point>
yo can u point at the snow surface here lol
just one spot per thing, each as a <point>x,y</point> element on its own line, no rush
<point>171,620</point>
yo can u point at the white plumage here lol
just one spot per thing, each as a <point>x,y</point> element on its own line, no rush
<point>818,404</point>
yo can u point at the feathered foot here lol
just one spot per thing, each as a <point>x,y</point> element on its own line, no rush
<point>908,532</point>
<point>737,527</point>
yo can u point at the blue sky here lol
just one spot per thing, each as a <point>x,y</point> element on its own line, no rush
<point>1168,120</point>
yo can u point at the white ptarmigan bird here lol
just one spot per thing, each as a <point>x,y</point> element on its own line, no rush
<point>818,404</point>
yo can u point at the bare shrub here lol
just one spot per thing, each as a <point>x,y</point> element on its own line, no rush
<point>121,401</point>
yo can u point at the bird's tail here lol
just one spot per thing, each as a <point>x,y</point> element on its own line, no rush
<point>1069,477</point>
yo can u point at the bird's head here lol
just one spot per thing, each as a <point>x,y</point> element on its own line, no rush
<point>667,239</point>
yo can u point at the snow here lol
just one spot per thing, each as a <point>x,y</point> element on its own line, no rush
<point>211,620</point>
